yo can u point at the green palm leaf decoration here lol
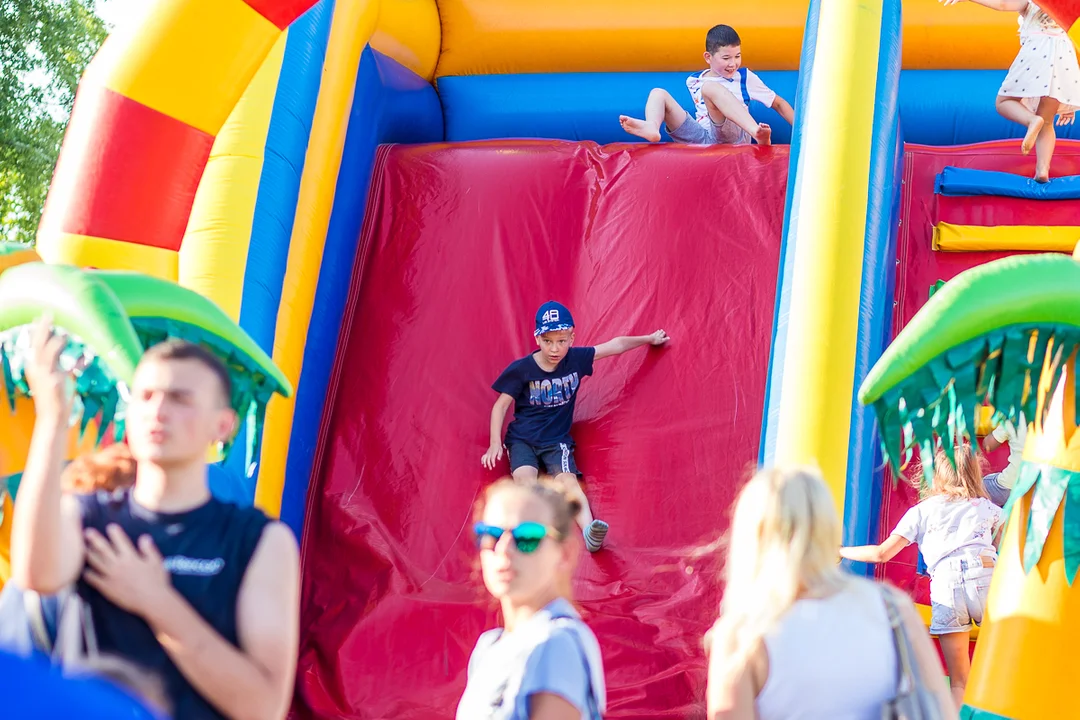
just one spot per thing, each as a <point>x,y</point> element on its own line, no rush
<point>109,318</point>
<point>993,333</point>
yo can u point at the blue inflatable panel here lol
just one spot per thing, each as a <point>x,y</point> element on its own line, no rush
<point>575,106</point>
<point>956,182</point>
<point>391,104</point>
<point>937,107</point>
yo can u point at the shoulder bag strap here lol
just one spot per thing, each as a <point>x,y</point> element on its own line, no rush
<point>35,616</point>
<point>905,665</point>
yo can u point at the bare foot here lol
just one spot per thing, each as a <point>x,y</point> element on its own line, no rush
<point>1042,176</point>
<point>763,134</point>
<point>1034,127</point>
<point>641,128</point>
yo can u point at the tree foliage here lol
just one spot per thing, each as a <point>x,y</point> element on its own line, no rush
<point>44,47</point>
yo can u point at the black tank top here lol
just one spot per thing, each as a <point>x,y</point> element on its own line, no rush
<point>206,550</point>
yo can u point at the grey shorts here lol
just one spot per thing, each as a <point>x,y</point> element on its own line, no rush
<point>958,592</point>
<point>691,132</point>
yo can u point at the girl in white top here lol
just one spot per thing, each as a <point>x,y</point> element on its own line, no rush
<point>955,528</point>
<point>797,638</point>
<point>1043,81</point>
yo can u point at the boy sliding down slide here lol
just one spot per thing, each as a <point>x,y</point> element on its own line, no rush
<point>542,387</point>
<point>722,95</point>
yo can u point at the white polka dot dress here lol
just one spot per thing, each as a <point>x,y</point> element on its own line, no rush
<point>1046,65</point>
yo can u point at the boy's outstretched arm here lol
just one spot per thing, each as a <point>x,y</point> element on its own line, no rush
<point>498,414</point>
<point>783,107</point>
<point>619,345</point>
<point>884,552</point>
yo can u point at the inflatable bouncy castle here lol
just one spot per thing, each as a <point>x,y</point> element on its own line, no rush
<point>379,193</point>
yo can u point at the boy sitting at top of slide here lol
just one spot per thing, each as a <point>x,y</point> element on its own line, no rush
<point>722,94</point>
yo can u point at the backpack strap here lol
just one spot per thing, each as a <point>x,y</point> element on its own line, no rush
<point>742,86</point>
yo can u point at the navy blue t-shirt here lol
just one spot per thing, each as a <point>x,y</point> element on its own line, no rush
<point>207,551</point>
<point>544,401</point>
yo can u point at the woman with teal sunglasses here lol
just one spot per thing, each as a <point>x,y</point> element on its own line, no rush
<point>544,663</point>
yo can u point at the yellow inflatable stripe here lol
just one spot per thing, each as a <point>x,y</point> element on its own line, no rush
<point>188,59</point>
<point>1005,238</point>
<point>213,255</point>
<point>352,26</point>
<point>819,362</point>
<point>86,251</point>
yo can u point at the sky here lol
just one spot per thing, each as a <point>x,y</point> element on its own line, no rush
<point>112,11</point>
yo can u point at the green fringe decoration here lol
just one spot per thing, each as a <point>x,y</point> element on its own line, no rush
<point>98,395</point>
<point>251,387</point>
<point>1045,501</point>
<point>935,405</point>
<point>1072,531</point>
<point>970,713</point>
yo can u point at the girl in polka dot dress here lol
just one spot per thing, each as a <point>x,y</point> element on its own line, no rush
<point>1043,81</point>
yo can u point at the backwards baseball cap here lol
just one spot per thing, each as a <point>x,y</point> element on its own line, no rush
<point>553,316</point>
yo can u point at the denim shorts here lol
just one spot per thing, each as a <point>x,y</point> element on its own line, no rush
<point>958,590</point>
<point>691,132</point>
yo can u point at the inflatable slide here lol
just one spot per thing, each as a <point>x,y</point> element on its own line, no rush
<point>381,192</point>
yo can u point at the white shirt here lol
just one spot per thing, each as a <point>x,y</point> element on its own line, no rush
<point>831,659</point>
<point>754,86</point>
<point>1016,437</point>
<point>945,527</point>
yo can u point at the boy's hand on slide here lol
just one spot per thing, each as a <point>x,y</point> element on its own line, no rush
<point>492,456</point>
<point>1067,118</point>
<point>658,338</point>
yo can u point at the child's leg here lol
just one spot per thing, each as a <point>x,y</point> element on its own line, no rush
<point>526,473</point>
<point>723,106</point>
<point>594,531</point>
<point>1014,109</point>
<point>660,108</point>
<point>1047,139</point>
<point>955,648</point>
<point>585,517</point>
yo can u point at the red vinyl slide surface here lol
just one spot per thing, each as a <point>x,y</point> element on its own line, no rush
<point>462,243</point>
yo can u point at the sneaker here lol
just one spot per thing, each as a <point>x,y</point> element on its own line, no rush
<point>595,534</point>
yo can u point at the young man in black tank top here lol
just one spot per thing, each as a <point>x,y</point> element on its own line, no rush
<point>203,592</point>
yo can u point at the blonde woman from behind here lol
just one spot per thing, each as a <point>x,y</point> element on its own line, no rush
<point>797,638</point>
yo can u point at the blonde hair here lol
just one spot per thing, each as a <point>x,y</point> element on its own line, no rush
<point>784,538</point>
<point>960,478</point>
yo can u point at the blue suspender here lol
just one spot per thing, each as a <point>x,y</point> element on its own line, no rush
<point>742,85</point>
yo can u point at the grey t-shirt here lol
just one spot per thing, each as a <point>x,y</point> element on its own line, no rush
<point>552,652</point>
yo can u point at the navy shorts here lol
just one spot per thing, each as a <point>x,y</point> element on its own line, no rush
<point>549,459</point>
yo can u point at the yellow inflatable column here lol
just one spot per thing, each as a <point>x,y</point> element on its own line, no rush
<point>819,359</point>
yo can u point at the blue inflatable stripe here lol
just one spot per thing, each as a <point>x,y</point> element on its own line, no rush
<point>955,182</point>
<point>279,186</point>
<point>391,104</point>
<point>863,484</point>
<point>767,447</point>
<point>570,106</point>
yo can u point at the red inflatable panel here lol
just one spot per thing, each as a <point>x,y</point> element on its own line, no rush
<point>920,266</point>
<point>462,243</point>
